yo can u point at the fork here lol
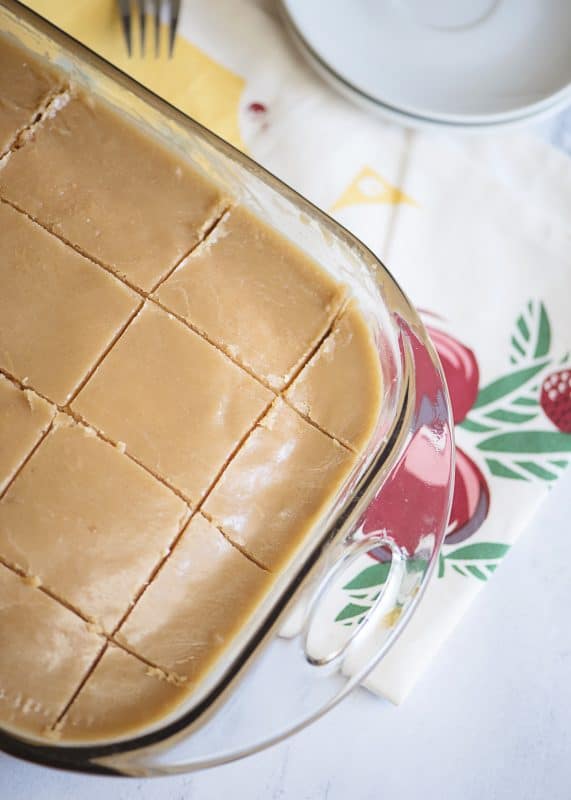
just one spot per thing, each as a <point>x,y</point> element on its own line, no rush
<point>129,9</point>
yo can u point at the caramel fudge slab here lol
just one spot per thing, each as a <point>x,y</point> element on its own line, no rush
<point>58,311</point>
<point>278,486</point>
<point>179,405</point>
<point>201,598</point>
<point>120,697</point>
<point>25,87</point>
<point>118,196</point>
<point>340,387</point>
<point>256,295</point>
<point>45,650</point>
<point>24,418</point>
<point>87,522</point>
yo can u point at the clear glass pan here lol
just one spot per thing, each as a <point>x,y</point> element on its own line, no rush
<point>394,506</point>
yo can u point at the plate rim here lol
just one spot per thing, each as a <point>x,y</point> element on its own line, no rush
<point>547,105</point>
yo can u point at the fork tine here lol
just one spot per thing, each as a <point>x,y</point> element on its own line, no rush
<point>142,25</point>
<point>125,12</point>
<point>174,10</point>
<point>157,4</point>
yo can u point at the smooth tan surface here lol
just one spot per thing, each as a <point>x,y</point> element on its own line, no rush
<point>278,485</point>
<point>58,311</point>
<point>120,697</point>
<point>93,522</point>
<point>25,86</point>
<point>96,181</point>
<point>340,388</point>
<point>88,522</point>
<point>44,652</point>
<point>254,294</point>
<point>24,417</point>
<point>200,599</point>
<point>178,403</point>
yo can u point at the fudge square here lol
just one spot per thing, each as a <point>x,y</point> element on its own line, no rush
<point>87,522</point>
<point>24,418</point>
<point>180,405</point>
<point>45,650</point>
<point>121,695</point>
<point>340,387</point>
<point>114,193</point>
<point>25,87</point>
<point>203,595</point>
<point>256,295</point>
<point>58,311</point>
<point>278,486</point>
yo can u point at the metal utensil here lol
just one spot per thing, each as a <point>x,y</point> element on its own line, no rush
<point>140,9</point>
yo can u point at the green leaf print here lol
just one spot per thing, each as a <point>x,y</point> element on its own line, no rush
<point>527,442</point>
<point>351,610</point>
<point>501,470</point>
<point>507,384</point>
<point>524,470</point>
<point>478,560</point>
<point>513,417</point>
<point>479,551</point>
<point>537,470</point>
<point>510,406</point>
<point>531,337</point>
<point>505,417</point>
<point>544,334</point>
<point>371,576</point>
<point>517,346</point>
<point>476,427</point>
<point>476,572</point>
<point>526,401</point>
<point>522,328</point>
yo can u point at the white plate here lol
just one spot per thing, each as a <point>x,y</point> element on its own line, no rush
<point>462,62</point>
<point>411,120</point>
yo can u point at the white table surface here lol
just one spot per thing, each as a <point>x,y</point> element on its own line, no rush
<point>491,717</point>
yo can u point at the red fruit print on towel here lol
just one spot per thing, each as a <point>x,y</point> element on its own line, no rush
<point>520,422</point>
<point>393,510</point>
<point>460,370</point>
<point>555,399</point>
<point>471,500</point>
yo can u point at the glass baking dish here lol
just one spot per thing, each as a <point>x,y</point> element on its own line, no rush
<point>294,661</point>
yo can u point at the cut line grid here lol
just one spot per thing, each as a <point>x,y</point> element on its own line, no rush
<point>191,512</point>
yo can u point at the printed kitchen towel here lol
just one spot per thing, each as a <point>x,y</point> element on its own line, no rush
<point>477,232</point>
